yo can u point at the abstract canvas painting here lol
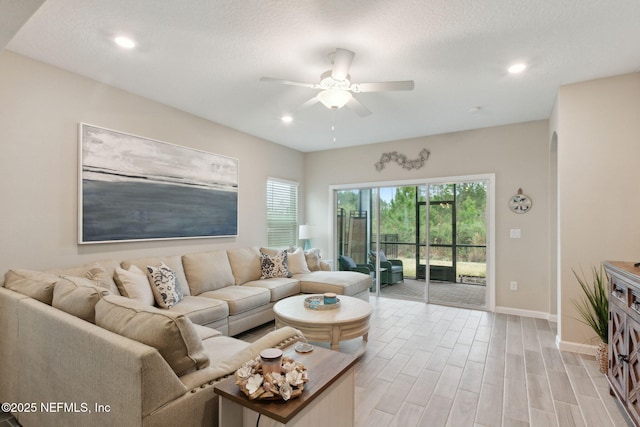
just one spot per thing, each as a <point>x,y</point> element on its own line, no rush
<point>135,188</point>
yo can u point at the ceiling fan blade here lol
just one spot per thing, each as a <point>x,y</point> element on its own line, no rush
<point>287,82</point>
<point>356,106</point>
<point>342,59</point>
<point>383,86</point>
<point>309,103</point>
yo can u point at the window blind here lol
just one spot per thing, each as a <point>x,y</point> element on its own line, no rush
<point>282,213</point>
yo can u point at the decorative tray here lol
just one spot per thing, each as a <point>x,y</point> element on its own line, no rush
<point>317,303</point>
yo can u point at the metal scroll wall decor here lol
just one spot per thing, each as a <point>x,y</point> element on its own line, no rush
<point>402,160</point>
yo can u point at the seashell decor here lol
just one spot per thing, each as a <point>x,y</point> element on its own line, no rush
<point>285,385</point>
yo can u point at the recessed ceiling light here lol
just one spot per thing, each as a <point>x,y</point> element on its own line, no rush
<point>125,42</point>
<point>517,68</point>
<point>287,118</point>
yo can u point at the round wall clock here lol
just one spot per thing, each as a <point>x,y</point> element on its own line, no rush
<point>520,203</point>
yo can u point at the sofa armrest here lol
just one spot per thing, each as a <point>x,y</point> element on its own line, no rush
<point>386,264</point>
<point>396,262</point>
<point>363,268</point>
<point>91,365</point>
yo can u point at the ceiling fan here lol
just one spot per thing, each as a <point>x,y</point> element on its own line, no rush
<point>336,88</point>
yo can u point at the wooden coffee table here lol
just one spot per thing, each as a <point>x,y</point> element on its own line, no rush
<point>350,320</point>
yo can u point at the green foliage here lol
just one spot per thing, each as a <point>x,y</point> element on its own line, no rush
<point>594,306</point>
<point>398,216</point>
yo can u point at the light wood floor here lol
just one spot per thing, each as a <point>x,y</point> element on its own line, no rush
<point>429,365</point>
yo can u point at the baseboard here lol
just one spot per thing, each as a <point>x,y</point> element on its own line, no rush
<point>526,313</point>
<point>572,347</point>
<point>575,347</point>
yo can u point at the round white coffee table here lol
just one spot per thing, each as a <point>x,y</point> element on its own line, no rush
<point>350,320</point>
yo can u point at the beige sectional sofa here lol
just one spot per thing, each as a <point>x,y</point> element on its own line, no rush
<point>69,342</point>
<point>223,289</point>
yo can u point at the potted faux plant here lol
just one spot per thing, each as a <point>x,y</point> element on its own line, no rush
<point>593,308</point>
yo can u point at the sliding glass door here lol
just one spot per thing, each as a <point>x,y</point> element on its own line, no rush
<point>458,244</point>
<point>421,241</point>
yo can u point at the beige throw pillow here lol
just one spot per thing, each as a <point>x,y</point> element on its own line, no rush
<point>296,262</point>
<point>312,256</point>
<point>99,275</point>
<point>100,272</point>
<point>134,284</point>
<point>35,284</point>
<point>78,296</point>
<point>173,335</point>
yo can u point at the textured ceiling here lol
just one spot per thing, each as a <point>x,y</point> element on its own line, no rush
<point>206,57</point>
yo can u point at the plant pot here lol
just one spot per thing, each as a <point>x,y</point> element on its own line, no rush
<point>602,357</point>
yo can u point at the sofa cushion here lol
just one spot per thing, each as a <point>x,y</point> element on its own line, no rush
<point>207,271</point>
<point>340,282</point>
<point>78,296</point>
<point>274,266</point>
<point>173,335</point>
<point>312,256</point>
<point>36,284</point>
<point>280,287</point>
<point>205,333</point>
<point>133,283</point>
<point>100,272</point>
<point>164,286</point>
<point>201,311</point>
<point>221,348</point>
<point>297,262</point>
<point>240,298</point>
<point>245,264</point>
<point>173,262</point>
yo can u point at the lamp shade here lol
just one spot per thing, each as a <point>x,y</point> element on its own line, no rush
<point>334,98</point>
<point>305,232</point>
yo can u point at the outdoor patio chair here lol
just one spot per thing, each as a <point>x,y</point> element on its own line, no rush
<point>391,270</point>
<point>348,264</point>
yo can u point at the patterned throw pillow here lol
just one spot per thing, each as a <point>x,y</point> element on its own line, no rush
<point>274,266</point>
<point>165,286</point>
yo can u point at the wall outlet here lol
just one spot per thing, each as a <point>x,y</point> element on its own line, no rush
<point>514,286</point>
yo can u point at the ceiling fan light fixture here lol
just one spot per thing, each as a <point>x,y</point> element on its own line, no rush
<point>334,98</point>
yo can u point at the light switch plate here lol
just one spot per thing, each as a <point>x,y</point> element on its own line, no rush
<point>514,233</point>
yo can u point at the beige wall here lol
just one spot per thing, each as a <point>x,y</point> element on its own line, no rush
<point>598,129</point>
<point>40,108</point>
<point>597,125</point>
<point>519,157</point>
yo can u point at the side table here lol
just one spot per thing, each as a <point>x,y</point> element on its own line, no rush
<point>328,397</point>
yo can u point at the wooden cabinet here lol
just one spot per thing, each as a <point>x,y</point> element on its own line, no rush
<point>624,335</point>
